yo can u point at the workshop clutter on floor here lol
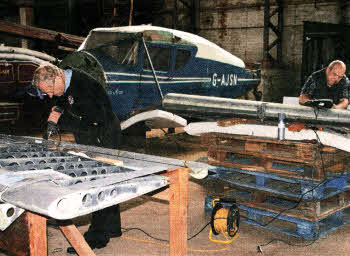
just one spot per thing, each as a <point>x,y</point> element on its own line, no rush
<point>300,188</point>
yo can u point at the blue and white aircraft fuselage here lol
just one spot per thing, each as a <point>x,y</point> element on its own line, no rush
<point>143,63</point>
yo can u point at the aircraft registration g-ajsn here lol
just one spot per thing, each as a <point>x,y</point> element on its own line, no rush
<point>139,65</point>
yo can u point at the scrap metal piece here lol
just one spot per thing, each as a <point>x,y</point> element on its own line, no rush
<point>8,214</point>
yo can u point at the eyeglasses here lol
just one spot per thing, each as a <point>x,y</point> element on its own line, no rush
<point>336,75</point>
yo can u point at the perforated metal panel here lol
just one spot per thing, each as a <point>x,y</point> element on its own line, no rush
<point>62,185</point>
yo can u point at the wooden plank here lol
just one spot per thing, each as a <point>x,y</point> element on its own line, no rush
<point>75,238</point>
<point>108,160</point>
<point>282,164</point>
<point>221,138</point>
<point>26,236</point>
<point>39,33</point>
<point>233,121</point>
<point>37,234</point>
<point>178,202</point>
<point>26,15</point>
<point>255,147</point>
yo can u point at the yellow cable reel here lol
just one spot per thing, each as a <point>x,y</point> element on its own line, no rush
<point>224,220</point>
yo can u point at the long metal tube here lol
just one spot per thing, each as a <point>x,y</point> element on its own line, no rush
<point>20,57</point>
<point>153,71</point>
<point>214,108</point>
<point>21,51</point>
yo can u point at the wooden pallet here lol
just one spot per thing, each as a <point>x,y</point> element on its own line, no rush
<point>301,151</point>
<point>294,226</point>
<point>285,158</point>
<point>281,186</point>
<point>302,209</point>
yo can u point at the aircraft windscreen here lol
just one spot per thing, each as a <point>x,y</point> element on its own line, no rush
<point>122,48</point>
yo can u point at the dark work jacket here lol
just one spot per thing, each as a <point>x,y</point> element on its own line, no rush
<point>316,87</point>
<point>89,112</point>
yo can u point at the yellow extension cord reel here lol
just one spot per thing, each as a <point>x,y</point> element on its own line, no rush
<point>224,220</point>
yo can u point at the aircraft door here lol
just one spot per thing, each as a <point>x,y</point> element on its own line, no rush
<point>150,91</point>
<point>121,65</point>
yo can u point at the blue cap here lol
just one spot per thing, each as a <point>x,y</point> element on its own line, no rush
<point>34,91</point>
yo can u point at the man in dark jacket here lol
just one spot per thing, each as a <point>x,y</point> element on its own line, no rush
<point>86,104</point>
<point>328,83</point>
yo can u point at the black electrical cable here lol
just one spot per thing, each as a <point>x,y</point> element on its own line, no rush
<point>201,230</point>
<point>324,181</point>
<point>286,242</point>
<point>139,229</point>
<point>287,209</point>
<point>316,111</point>
<point>164,240</point>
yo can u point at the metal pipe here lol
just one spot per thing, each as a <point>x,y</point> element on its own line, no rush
<point>215,108</point>
<point>16,50</point>
<point>20,57</point>
<point>153,71</point>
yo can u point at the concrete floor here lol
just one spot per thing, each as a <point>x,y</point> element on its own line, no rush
<point>151,215</point>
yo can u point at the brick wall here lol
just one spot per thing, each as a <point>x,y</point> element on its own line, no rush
<point>237,26</point>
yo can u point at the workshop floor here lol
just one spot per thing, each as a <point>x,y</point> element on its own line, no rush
<point>151,215</point>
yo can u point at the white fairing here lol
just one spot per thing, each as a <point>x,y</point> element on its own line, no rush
<point>335,140</point>
<point>155,119</point>
<point>206,49</point>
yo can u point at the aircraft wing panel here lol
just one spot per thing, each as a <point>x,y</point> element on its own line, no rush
<point>64,201</point>
<point>61,185</point>
<point>44,177</point>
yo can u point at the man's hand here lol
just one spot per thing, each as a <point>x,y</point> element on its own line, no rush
<point>52,129</point>
<point>343,104</point>
<point>303,98</point>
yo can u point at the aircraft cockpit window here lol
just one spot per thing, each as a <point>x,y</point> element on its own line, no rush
<point>160,58</point>
<point>131,56</point>
<point>182,56</point>
<point>125,52</point>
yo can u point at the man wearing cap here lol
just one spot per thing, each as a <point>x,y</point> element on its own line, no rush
<point>84,101</point>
